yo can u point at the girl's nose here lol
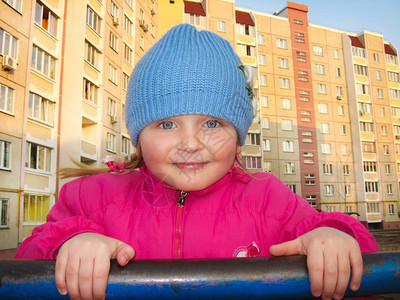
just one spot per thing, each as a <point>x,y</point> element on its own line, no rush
<point>190,141</point>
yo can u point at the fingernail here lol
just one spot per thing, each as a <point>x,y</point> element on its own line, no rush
<point>62,292</point>
<point>354,287</point>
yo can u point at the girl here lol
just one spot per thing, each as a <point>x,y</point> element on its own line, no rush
<point>188,110</point>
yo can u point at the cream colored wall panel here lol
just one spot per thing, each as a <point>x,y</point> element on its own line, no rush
<point>37,182</point>
<point>39,132</point>
<point>42,84</point>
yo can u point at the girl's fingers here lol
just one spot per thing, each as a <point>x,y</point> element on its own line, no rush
<point>61,264</point>
<point>330,272</point>
<point>315,265</point>
<point>100,277</point>
<point>85,279</point>
<point>71,276</point>
<point>356,263</point>
<point>343,275</point>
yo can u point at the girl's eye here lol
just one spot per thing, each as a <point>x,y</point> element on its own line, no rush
<point>167,125</point>
<point>212,123</point>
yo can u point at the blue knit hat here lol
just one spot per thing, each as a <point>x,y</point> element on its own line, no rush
<point>188,72</point>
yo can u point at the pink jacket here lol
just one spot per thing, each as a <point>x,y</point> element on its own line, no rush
<point>241,215</point>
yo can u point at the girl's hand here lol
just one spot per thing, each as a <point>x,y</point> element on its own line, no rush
<point>83,264</point>
<point>330,254</point>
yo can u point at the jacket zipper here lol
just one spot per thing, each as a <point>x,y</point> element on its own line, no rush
<point>179,225</point>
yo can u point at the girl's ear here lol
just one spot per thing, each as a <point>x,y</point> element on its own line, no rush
<point>238,150</point>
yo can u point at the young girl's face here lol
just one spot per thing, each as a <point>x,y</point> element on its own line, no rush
<point>189,152</point>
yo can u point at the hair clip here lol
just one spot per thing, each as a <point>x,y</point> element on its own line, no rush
<point>249,75</point>
<point>109,160</point>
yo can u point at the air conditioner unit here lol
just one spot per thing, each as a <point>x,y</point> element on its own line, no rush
<point>153,12</point>
<point>9,63</point>
<point>143,25</point>
<point>339,97</point>
<point>114,119</point>
<point>362,112</point>
<point>115,20</point>
<point>397,137</point>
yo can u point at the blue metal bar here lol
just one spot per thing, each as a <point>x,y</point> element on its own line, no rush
<point>260,278</point>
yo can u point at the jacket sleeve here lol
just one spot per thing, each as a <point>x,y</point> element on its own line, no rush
<point>68,217</point>
<point>297,217</point>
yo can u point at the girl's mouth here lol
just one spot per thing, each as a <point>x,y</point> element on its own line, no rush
<point>190,166</point>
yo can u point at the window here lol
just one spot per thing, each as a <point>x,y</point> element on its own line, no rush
<point>319,69</point>
<point>299,22</point>
<point>253,139</point>
<point>287,125</point>
<point>283,63</point>
<point>369,166</point>
<point>387,169</point>
<point>329,190</point>
<point>345,150</point>
<point>288,146</point>
<point>41,109</point>
<point>371,187</point>
<point>284,83</point>
<point>321,88</point>
<point>394,94</point>
<point>341,110</point>
<point>93,20</point>
<point>335,53</point>
<point>366,127</point>
<point>326,148</point>
<point>6,99</point>
<point>393,76</point>
<point>246,50</point>
<point>265,123</point>
<point>45,18</point>
<point>5,155</point>
<point>318,50</point>
<point>382,111</point>
<point>395,111</point>
<point>111,143</point>
<point>378,75</point>
<point>113,74</point>
<point>113,9</point>
<point>325,128</point>
<point>376,57</point>
<point>339,91</point>
<point>299,40</point>
<point>373,207</point>
<point>141,42</point>
<point>327,169</point>
<point>261,39</point>
<point>391,59</point>
<point>338,72</point>
<point>130,2</point>
<point>281,43</point>
<point>386,149</point>
<point>384,130</point>
<point>368,147</point>
<point>347,192</point>
<point>362,89</point>
<point>286,103</point>
<point>323,108</point>
<point>113,42</point>
<point>267,166</point>
<point>289,168</point>
<point>263,80</point>
<point>16,4</point>
<point>92,55</point>
<point>391,208</point>
<point>346,170</point>
<point>357,51</point>
<point>221,26</point>
<point>245,29</point>
<point>43,62</point>
<point>90,91</point>
<point>251,162</point>
<point>126,146</point>
<point>360,70</point>
<point>343,129</point>
<point>264,101</point>
<point>364,108</point>
<point>128,53</point>
<point>380,93</point>
<point>38,157</point>
<point>262,60</point>
<point>4,204</point>
<point>126,81</point>
<point>36,208</point>
<point>128,25</point>
<point>112,107</point>
<point>266,145</point>
<point>8,44</point>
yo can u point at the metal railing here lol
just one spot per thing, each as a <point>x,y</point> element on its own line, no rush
<point>259,278</point>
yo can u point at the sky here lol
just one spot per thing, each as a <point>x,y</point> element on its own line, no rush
<point>354,16</point>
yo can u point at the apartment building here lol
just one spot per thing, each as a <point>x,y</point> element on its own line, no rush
<point>328,121</point>
<point>65,66</point>
<point>328,118</point>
